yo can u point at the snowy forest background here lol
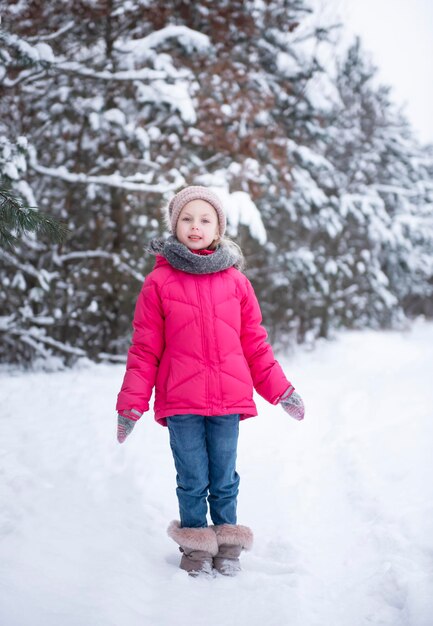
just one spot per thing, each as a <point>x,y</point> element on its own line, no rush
<point>109,107</point>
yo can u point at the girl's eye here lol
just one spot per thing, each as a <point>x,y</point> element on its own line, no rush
<point>188,219</point>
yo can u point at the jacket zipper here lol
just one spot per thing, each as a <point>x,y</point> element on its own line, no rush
<point>203,339</point>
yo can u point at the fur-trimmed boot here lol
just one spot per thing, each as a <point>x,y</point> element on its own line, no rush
<point>232,539</point>
<point>198,547</point>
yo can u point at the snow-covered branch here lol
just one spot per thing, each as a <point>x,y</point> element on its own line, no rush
<point>42,276</point>
<point>191,40</point>
<point>147,74</point>
<point>22,77</point>
<point>54,35</point>
<point>94,254</point>
<point>399,191</point>
<point>34,338</point>
<point>115,358</point>
<point>137,50</point>
<point>137,182</point>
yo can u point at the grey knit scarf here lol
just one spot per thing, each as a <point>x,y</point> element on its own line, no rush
<point>181,258</point>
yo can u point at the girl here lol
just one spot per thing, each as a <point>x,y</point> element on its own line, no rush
<point>198,339</point>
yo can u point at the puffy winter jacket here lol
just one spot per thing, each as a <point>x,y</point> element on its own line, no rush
<point>198,339</point>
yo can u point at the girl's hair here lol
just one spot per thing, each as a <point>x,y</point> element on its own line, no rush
<point>232,245</point>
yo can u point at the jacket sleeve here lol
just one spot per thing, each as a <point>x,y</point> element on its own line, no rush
<point>268,377</point>
<point>145,352</point>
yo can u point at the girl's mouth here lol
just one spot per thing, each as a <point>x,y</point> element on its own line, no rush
<point>194,237</point>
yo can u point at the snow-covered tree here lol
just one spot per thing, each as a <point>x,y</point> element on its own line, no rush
<point>122,103</point>
<point>386,236</point>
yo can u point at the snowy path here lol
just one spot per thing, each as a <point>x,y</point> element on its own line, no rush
<point>341,505</point>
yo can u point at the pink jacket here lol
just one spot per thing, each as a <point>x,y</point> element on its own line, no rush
<point>198,339</point>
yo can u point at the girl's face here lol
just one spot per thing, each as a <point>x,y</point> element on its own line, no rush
<point>197,226</point>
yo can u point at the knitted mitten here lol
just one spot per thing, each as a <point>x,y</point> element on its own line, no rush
<point>292,404</point>
<point>125,425</point>
<point>124,428</point>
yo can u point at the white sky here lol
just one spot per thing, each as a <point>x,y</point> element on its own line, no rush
<point>399,35</point>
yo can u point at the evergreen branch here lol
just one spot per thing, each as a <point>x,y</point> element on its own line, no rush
<point>16,220</point>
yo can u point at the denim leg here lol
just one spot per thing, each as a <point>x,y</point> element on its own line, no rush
<point>188,445</point>
<point>222,440</point>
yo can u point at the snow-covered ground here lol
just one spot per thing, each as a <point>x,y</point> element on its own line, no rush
<point>341,504</point>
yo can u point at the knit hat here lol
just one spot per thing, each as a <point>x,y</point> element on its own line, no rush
<point>195,193</point>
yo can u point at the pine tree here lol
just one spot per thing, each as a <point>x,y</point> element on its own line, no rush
<point>382,200</point>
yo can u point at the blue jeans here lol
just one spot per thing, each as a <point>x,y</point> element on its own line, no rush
<point>204,451</point>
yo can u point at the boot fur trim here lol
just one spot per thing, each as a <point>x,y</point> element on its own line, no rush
<point>194,538</point>
<point>234,535</point>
